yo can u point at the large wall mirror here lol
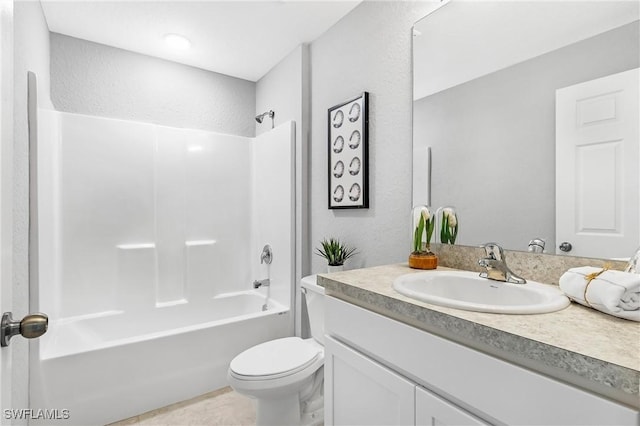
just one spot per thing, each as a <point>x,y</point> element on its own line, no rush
<point>525,118</point>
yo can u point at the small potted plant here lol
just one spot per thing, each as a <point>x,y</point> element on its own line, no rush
<point>335,252</point>
<point>421,256</point>
<point>448,226</point>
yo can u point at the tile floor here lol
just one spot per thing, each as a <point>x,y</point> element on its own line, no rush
<point>223,407</point>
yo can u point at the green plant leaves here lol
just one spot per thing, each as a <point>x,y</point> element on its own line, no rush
<point>444,230</point>
<point>417,237</point>
<point>335,251</point>
<point>431,223</point>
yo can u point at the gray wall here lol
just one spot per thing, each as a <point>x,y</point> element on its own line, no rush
<point>368,50</point>
<point>281,90</point>
<point>493,139</point>
<point>94,79</point>
<point>31,53</point>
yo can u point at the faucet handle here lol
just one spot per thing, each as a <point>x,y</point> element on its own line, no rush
<point>493,250</point>
<point>267,255</point>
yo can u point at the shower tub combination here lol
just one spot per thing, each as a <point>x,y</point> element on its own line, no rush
<point>112,367</point>
<point>143,233</point>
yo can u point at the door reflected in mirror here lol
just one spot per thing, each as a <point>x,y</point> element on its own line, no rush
<point>531,123</point>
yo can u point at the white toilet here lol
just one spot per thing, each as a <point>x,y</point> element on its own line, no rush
<point>286,376</point>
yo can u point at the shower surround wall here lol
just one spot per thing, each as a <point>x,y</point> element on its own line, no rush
<point>138,205</point>
<point>150,233</point>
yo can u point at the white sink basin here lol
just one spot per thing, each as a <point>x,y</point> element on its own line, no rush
<point>466,290</point>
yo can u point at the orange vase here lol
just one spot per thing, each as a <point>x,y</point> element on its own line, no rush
<point>423,261</point>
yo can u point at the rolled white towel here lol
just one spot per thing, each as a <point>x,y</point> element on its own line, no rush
<point>613,292</point>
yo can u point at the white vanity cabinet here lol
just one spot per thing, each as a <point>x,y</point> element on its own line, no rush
<point>360,391</point>
<point>382,371</point>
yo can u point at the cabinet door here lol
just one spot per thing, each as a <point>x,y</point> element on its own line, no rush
<point>359,391</point>
<point>432,410</point>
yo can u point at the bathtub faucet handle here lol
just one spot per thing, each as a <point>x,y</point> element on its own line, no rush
<point>267,255</point>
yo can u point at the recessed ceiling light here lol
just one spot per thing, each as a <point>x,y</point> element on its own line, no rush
<point>177,42</point>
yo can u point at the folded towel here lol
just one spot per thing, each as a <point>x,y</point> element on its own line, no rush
<point>612,292</point>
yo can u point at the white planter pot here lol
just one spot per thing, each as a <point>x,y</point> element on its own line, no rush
<point>336,268</point>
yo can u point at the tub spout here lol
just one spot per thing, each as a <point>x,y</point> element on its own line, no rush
<point>262,283</point>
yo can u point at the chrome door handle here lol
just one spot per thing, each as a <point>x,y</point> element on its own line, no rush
<point>31,326</point>
<point>566,246</point>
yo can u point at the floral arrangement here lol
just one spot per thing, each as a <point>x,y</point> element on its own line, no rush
<point>448,226</point>
<point>423,223</point>
<point>335,251</point>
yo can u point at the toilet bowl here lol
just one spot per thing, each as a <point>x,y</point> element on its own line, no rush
<point>286,376</point>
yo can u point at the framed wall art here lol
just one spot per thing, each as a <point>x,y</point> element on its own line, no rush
<point>348,154</point>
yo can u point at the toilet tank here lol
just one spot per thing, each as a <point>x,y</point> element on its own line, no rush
<point>314,297</point>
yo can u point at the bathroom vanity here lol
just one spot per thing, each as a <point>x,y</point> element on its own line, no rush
<point>394,360</point>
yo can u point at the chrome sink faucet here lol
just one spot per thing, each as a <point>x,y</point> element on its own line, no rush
<point>496,266</point>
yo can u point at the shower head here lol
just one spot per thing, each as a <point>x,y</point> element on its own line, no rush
<point>269,113</point>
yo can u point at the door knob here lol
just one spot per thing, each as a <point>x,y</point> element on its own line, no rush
<point>565,246</point>
<point>31,326</point>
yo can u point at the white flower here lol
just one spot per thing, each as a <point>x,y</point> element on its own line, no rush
<point>448,213</point>
<point>453,221</point>
<point>426,214</point>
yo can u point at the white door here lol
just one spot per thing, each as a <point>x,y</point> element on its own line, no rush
<point>6,155</point>
<point>597,157</point>
<point>359,391</point>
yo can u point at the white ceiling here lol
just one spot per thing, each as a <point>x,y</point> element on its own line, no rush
<point>243,39</point>
<point>464,40</point>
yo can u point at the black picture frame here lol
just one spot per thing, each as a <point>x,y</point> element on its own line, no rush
<point>348,159</point>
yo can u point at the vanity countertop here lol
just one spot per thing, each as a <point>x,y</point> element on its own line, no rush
<point>578,345</point>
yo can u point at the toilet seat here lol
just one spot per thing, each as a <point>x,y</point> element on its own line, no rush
<point>275,359</point>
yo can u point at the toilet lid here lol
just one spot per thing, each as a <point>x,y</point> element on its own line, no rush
<point>273,358</point>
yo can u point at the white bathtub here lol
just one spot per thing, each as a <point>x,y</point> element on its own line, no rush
<point>113,366</point>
